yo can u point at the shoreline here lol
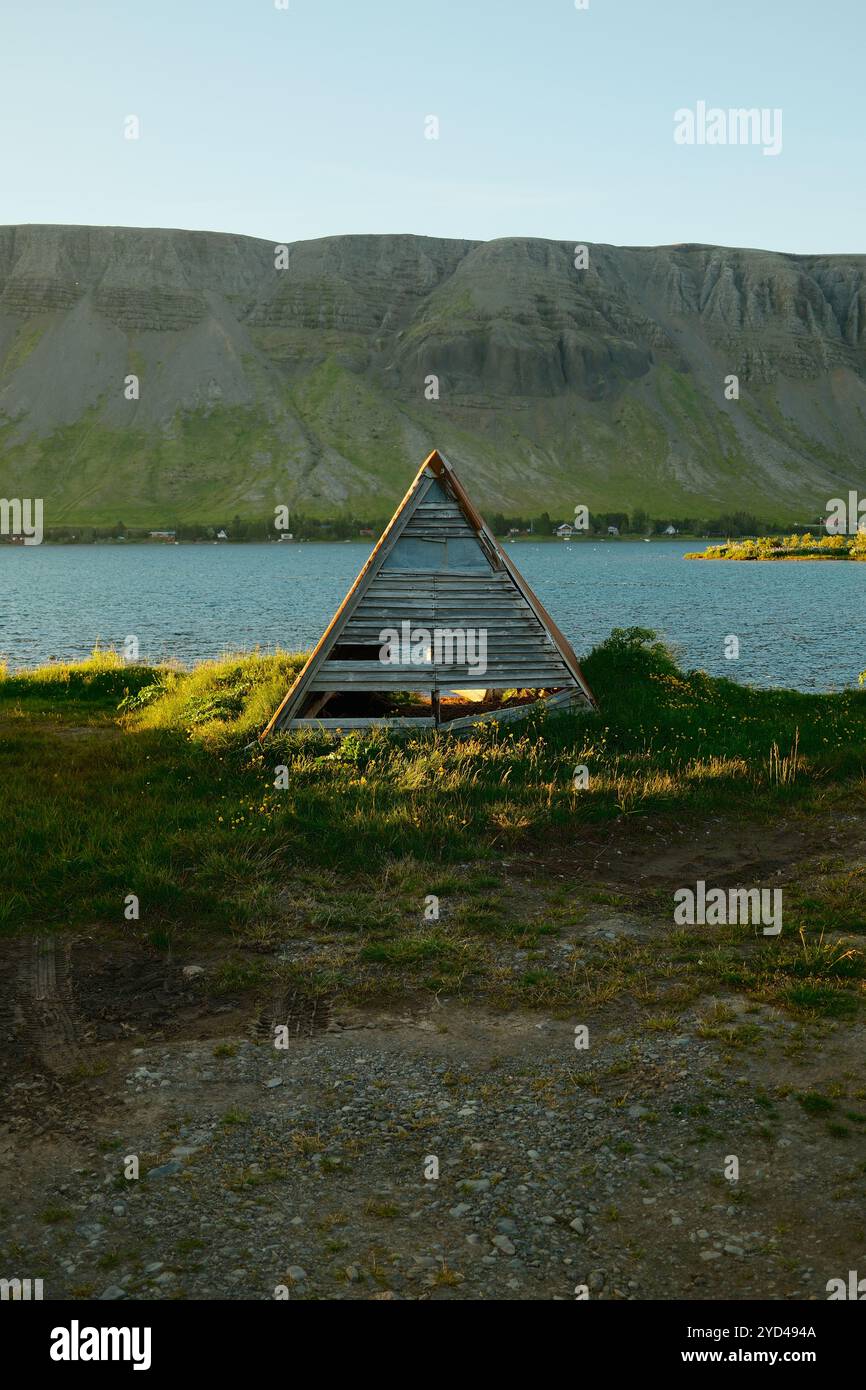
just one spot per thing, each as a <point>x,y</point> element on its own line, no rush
<point>768,559</point>
<point>806,547</point>
<point>347,540</point>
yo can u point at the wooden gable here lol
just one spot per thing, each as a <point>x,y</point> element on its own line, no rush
<point>437,567</point>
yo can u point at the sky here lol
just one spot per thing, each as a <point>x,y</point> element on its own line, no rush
<point>553,120</point>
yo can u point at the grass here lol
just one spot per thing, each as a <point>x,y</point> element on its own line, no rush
<point>815,1104</point>
<point>136,780</point>
<point>794,547</point>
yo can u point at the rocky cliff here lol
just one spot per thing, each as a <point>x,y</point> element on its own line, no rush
<point>310,385</point>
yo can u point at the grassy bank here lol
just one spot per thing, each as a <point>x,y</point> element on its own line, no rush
<point>805,547</point>
<point>124,780</point>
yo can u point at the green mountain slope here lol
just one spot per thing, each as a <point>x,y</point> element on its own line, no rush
<point>308,386</point>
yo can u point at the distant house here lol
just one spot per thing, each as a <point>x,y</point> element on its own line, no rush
<point>221,536</point>
<point>671,531</point>
<point>613,530</point>
<point>565,531</point>
<point>162,536</point>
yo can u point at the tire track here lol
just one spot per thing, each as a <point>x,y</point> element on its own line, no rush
<point>49,1018</point>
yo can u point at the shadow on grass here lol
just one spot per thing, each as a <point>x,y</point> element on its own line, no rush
<point>177,811</point>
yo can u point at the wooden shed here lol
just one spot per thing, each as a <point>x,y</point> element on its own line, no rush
<point>439,629</point>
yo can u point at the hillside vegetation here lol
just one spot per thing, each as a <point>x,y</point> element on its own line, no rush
<point>321,386</point>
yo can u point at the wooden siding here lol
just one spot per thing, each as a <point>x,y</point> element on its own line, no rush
<point>436,567</point>
<point>520,652</point>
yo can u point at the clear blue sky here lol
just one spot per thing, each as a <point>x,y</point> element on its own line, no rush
<point>554,122</point>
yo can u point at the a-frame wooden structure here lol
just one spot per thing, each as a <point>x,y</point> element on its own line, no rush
<point>438,567</point>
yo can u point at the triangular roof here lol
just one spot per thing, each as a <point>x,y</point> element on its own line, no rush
<point>437,565</point>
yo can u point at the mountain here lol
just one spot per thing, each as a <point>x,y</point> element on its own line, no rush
<point>305,386</point>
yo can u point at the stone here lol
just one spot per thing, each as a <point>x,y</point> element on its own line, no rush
<point>166,1170</point>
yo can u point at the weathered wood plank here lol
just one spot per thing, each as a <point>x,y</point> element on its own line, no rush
<point>442,677</point>
<point>559,703</point>
<point>445,578</point>
<point>502,716</point>
<point>386,721</point>
<point>437,530</point>
<point>443,510</point>
<point>335,671</point>
<point>497,644</point>
<point>519,623</point>
<point>452,572</point>
<point>420,594</point>
<point>502,639</point>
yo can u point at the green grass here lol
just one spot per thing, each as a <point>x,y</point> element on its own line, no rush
<point>128,779</point>
<point>815,1104</point>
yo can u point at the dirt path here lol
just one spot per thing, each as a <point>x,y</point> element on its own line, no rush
<point>310,1168</point>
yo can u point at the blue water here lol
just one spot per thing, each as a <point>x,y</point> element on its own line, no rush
<point>799,625</point>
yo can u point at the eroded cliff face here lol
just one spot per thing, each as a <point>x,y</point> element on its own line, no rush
<point>311,385</point>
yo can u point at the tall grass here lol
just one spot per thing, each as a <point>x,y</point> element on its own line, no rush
<point>157,792</point>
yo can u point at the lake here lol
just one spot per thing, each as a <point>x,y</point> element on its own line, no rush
<point>799,625</point>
